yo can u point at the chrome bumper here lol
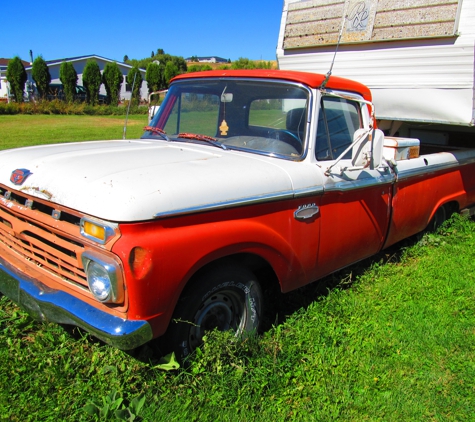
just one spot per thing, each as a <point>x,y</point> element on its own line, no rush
<point>47,304</point>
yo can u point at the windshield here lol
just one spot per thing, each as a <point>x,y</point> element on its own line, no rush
<point>258,116</point>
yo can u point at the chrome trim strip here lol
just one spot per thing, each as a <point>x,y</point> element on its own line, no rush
<point>432,168</point>
<point>227,204</point>
<point>424,171</point>
<point>44,303</point>
<point>268,154</point>
<point>316,190</point>
<point>342,186</point>
<point>347,185</point>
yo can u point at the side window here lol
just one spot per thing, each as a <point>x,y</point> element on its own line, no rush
<point>338,120</point>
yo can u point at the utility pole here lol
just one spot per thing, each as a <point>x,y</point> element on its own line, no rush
<point>29,84</point>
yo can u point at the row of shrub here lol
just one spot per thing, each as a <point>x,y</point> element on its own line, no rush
<point>63,107</point>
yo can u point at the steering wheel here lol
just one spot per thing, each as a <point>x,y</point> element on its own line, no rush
<point>290,138</point>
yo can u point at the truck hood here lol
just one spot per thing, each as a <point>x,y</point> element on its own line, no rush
<point>139,180</point>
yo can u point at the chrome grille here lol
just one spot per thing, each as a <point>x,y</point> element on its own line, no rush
<point>37,243</point>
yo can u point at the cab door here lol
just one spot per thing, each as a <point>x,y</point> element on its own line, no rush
<point>355,207</point>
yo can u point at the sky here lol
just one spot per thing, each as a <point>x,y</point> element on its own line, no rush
<point>113,29</point>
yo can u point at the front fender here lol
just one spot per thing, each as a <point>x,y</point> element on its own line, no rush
<point>179,247</point>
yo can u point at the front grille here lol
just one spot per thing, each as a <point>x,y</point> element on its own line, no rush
<point>42,241</point>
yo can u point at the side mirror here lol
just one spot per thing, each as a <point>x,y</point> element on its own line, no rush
<point>378,147</point>
<point>368,148</point>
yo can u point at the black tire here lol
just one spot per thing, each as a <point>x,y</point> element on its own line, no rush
<point>439,217</point>
<point>227,298</point>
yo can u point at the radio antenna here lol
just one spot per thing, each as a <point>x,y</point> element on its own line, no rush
<point>128,108</point>
<point>327,77</point>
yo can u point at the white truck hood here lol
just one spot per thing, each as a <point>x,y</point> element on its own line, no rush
<point>138,180</point>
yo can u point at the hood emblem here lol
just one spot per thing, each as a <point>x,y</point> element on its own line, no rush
<point>19,176</point>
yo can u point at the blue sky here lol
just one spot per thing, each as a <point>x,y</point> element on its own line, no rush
<point>60,29</point>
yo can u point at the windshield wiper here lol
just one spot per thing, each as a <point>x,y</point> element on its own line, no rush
<point>203,138</point>
<point>157,131</point>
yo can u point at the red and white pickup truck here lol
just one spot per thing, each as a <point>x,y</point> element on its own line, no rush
<point>238,172</point>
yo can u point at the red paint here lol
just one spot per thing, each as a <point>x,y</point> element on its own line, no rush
<point>313,80</point>
<point>181,246</point>
<point>350,227</point>
<point>354,226</point>
<point>417,199</point>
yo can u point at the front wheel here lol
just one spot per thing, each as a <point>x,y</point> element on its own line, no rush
<point>224,298</point>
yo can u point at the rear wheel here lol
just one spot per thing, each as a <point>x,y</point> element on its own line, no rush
<point>224,298</point>
<point>439,217</point>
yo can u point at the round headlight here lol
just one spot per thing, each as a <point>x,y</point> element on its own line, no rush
<point>99,281</point>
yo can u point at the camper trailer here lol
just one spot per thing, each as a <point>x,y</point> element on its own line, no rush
<point>417,57</point>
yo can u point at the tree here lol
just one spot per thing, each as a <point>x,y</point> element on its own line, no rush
<point>126,58</point>
<point>154,77</point>
<point>199,68</point>
<point>243,63</point>
<point>160,51</point>
<point>92,79</point>
<point>171,70</point>
<point>69,79</point>
<point>180,63</point>
<point>16,76</point>
<point>135,75</point>
<point>41,76</point>
<point>112,79</point>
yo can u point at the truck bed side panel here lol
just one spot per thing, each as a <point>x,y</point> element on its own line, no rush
<point>426,184</point>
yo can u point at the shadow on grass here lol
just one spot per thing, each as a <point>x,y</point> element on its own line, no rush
<point>279,306</point>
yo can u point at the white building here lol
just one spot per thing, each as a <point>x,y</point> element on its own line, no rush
<point>4,88</point>
<point>79,63</point>
<point>207,59</point>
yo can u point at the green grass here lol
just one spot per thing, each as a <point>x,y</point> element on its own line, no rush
<point>390,339</point>
<point>22,130</point>
<point>204,122</point>
<point>394,340</point>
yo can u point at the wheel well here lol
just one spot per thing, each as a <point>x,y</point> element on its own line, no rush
<point>263,271</point>
<point>442,213</point>
<point>451,208</point>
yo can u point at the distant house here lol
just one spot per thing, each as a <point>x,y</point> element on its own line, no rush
<point>79,63</point>
<point>210,59</point>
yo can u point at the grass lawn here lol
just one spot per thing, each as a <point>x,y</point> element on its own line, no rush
<point>22,130</point>
<point>389,339</point>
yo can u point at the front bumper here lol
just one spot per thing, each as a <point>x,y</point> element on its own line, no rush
<point>44,303</point>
